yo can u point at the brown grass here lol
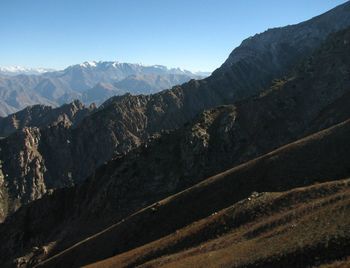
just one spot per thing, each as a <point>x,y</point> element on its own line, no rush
<point>287,226</point>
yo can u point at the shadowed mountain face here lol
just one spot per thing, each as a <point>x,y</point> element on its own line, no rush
<point>84,82</point>
<point>313,96</point>
<point>24,143</point>
<point>300,163</point>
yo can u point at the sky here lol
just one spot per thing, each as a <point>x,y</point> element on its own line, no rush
<point>191,34</point>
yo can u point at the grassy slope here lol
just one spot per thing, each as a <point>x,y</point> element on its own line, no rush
<point>265,230</point>
<point>319,157</point>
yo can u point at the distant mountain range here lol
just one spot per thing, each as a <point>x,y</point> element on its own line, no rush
<point>89,82</point>
<point>16,70</point>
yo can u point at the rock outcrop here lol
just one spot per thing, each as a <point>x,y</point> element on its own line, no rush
<point>25,175</point>
<point>41,116</point>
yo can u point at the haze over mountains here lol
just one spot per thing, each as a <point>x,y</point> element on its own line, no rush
<point>246,168</point>
<point>16,70</point>
<point>89,82</point>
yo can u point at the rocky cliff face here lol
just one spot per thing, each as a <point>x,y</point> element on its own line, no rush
<point>121,124</point>
<point>25,174</point>
<point>42,116</point>
<point>276,50</point>
<point>27,183</point>
<point>3,196</point>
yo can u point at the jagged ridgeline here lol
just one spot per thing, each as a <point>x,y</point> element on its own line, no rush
<point>207,173</point>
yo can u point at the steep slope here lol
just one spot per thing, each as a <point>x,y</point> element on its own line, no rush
<point>317,158</point>
<point>24,180</point>
<point>264,230</point>
<point>277,50</point>
<point>218,140</point>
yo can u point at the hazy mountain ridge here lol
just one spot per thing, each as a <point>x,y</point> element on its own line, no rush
<point>55,88</point>
<point>16,70</point>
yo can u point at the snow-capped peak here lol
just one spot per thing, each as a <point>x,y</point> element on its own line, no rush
<point>87,64</point>
<point>135,67</point>
<point>115,64</point>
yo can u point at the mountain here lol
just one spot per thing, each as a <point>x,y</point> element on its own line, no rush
<point>15,93</point>
<point>82,81</point>
<point>150,83</point>
<point>123,123</point>
<point>100,92</point>
<point>196,218</point>
<point>113,186</point>
<point>83,76</point>
<point>209,170</point>
<point>167,177</point>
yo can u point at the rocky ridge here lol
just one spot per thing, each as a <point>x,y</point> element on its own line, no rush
<point>24,181</point>
<point>41,116</point>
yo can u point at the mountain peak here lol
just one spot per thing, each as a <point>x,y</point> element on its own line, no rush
<point>88,64</point>
<point>140,66</point>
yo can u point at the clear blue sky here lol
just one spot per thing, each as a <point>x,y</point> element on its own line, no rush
<point>193,34</point>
